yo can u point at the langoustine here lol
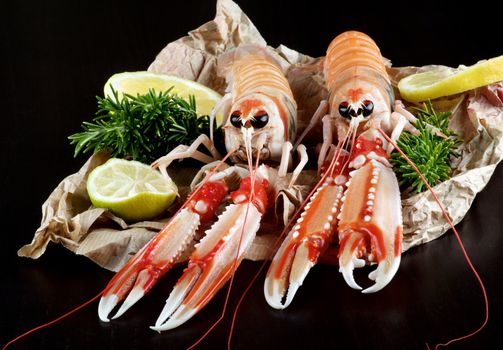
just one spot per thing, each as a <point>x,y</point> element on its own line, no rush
<point>357,201</point>
<point>259,124</point>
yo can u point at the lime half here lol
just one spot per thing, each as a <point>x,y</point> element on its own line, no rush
<point>134,83</point>
<point>444,82</point>
<point>130,189</point>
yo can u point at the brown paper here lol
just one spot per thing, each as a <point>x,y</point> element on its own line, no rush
<point>69,218</point>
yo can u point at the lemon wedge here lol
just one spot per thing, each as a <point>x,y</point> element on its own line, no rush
<point>444,82</point>
<point>130,189</point>
<point>134,83</point>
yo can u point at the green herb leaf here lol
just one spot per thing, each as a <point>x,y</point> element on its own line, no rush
<point>430,153</point>
<point>143,127</point>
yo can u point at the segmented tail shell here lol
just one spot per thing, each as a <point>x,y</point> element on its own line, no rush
<point>250,69</point>
<point>354,57</point>
<point>352,51</point>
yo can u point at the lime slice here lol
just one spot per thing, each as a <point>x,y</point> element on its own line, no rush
<point>130,189</point>
<point>134,83</point>
<point>444,82</point>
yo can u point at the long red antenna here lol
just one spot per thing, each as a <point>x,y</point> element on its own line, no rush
<point>252,175</point>
<point>467,258</point>
<point>53,321</point>
<point>283,233</point>
<point>104,290</point>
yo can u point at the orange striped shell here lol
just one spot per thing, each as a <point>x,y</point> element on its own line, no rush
<point>352,65</point>
<point>350,51</point>
<point>255,73</point>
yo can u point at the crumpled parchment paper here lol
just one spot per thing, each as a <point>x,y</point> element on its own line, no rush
<point>69,218</point>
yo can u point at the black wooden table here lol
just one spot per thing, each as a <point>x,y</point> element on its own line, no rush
<point>55,58</point>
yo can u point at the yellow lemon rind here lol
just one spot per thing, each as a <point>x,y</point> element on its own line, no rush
<point>480,74</point>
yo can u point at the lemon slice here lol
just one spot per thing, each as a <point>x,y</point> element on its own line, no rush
<point>130,189</point>
<point>134,83</point>
<point>444,82</point>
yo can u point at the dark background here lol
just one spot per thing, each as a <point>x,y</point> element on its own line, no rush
<point>55,58</point>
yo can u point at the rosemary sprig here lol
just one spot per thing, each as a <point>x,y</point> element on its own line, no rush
<point>429,152</point>
<point>440,120</point>
<point>143,127</point>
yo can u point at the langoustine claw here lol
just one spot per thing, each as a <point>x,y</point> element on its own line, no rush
<point>308,239</point>
<point>370,222</point>
<point>143,271</point>
<point>218,254</point>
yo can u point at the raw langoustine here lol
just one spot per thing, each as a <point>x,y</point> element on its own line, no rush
<point>357,198</point>
<point>259,124</point>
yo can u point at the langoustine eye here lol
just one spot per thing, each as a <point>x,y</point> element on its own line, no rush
<point>236,119</point>
<point>344,109</point>
<point>260,120</point>
<point>368,107</point>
